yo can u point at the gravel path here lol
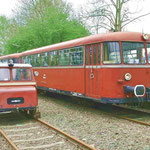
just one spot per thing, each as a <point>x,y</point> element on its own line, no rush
<point>92,126</point>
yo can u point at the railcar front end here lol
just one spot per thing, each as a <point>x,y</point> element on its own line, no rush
<point>125,72</point>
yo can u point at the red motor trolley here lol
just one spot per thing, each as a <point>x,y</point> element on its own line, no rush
<point>17,88</point>
<point>109,68</point>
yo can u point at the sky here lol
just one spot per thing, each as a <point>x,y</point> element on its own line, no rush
<point>143,25</point>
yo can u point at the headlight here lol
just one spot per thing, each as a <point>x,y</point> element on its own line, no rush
<point>145,37</point>
<point>127,76</point>
<point>36,73</point>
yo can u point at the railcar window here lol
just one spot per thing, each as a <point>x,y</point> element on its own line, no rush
<point>76,56</point>
<point>32,60</point>
<point>64,57</point>
<point>111,53</point>
<point>148,52</point>
<point>4,74</point>
<point>37,60</point>
<point>86,55</point>
<point>53,58</point>
<point>20,74</point>
<point>94,54</point>
<point>90,54</point>
<point>44,59</point>
<point>15,60</point>
<point>133,53</point>
<point>26,60</point>
<point>5,60</point>
<point>99,54</point>
<point>29,60</point>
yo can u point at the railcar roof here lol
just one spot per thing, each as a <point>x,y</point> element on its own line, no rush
<point>16,55</point>
<point>115,36</point>
<point>16,65</point>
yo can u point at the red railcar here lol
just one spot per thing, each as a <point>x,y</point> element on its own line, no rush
<point>17,88</point>
<point>109,68</point>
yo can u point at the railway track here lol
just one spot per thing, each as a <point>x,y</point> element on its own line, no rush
<point>133,115</point>
<point>39,135</point>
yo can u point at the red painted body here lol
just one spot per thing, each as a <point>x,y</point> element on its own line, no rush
<point>18,94</point>
<point>29,94</point>
<point>99,81</point>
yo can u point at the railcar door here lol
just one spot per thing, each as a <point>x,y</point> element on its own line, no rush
<point>92,60</point>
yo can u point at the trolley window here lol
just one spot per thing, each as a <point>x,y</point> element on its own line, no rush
<point>111,53</point>
<point>64,57</point>
<point>148,52</point>
<point>53,58</point>
<point>4,74</point>
<point>76,56</point>
<point>21,74</point>
<point>133,53</point>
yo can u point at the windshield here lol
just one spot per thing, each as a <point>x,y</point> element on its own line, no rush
<point>148,52</point>
<point>4,74</point>
<point>133,53</point>
<point>21,74</point>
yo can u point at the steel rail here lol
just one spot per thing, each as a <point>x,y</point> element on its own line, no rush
<point>127,118</point>
<point>134,120</point>
<point>82,144</point>
<point>8,140</point>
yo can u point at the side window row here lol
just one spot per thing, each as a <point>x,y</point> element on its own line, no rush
<point>65,57</point>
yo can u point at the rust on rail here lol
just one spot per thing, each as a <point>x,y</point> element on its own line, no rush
<point>67,135</point>
<point>136,121</point>
<point>8,140</point>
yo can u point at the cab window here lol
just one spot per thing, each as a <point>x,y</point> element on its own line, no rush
<point>21,74</point>
<point>133,53</point>
<point>111,53</point>
<point>4,74</point>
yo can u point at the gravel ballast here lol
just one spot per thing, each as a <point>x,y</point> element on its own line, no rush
<point>92,126</point>
<point>85,122</point>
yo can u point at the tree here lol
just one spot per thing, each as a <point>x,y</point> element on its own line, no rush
<point>43,22</point>
<point>4,32</point>
<point>111,15</point>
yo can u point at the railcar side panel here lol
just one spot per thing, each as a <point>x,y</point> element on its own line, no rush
<point>65,79</point>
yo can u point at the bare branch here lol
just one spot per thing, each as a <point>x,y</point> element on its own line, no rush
<point>135,19</point>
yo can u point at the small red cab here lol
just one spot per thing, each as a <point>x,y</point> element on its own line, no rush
<point>17,88</point>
